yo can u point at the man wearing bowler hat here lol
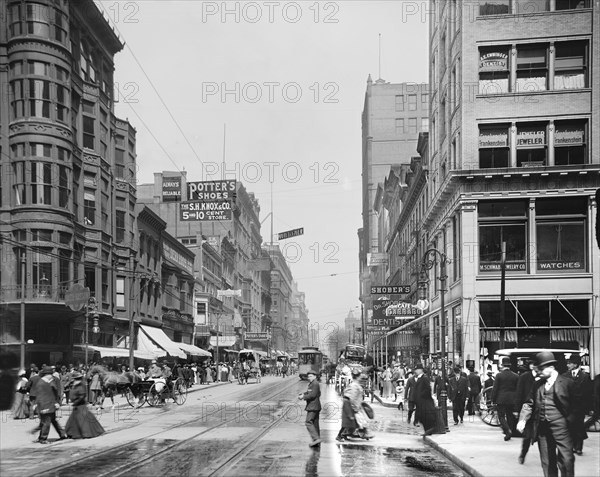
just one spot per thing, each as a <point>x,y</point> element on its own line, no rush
<point>504,395</point>
<point>582,401</point>
<point>313,408</point>
<point>550,406</point>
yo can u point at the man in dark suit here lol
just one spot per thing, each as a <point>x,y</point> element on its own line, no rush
<point>503,394</point>
<point>550,407</point>
<point>409,395</point>
<point>582,402</point>
<point>524,386</point>
<point>313,408</point>
<point>474,390</point>
<point>458,390</point>
<point>426,411</point>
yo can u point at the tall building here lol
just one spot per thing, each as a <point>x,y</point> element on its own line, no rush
<point>512,170</point>
<point>66,163</point>
<point>393,115</point>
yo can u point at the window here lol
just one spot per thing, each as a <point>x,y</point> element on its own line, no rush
<point>532,6</point>
<point>570,143</point>
<point>120,226</point>
<point>119,163</point>
<point>41,235</point>
<point>424,124</point>
<point>41,183</point>
<point>531,144</point>
<point>88,124</point>
<point>64,275</point>
<point>89,206</point>
<point>38,68</point>
<point>62,104</point>
<point>41,150</point>
<point>572,4</point>
<point>412,102</point>
<point>502,221</point>
<point>399,126</point>
<point>561,231</point>
<point>42,272</point>
<point>120,288</point>
<point>494,7</point>
<point>570,68</point>
<point>400,102</point>
<point>494,72</point>
<point>494,148</point>
<point>64,189</point>
<point>425,101</point>
<point>532,68</point>
<point>104,284</point>
<point>412,125</point>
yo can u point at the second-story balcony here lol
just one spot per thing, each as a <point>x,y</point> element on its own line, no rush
<point>34,293</point>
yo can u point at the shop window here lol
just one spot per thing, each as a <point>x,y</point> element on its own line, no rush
<point>494,150</point>
<point>570,144</point>
<point>531,144</point>
<point>572,4</point>
<point>494,7</point>
<point>494,72</point>
<point>532,6</point>
<point>502,221</point>
<point>561,232</point>
<point>569,313</point>
<point>570,65</point>
<point>532,68</point>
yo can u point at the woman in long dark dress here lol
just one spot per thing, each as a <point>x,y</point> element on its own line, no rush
<point>21,407</point>
<point>82,423</point>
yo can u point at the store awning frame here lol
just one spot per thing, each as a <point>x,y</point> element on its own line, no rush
<point>224,341</point>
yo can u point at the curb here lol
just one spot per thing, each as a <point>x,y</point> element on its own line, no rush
<point>451,457</point>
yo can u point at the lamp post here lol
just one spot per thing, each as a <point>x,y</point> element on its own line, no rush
<point>92,306</point>
<point>430,258</point>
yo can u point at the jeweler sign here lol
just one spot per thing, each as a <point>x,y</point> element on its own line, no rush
<point>209,210</point>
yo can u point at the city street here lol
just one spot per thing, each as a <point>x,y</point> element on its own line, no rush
<point>257,429</point>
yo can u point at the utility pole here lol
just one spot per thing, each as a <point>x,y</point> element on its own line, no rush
<point>22,337</point>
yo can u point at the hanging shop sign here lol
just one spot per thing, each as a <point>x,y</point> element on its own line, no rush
<point>257,336</point>
<point>374,259</point>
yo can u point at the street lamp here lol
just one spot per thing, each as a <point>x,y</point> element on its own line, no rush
<point>91,307</point>
<point>430,258</point>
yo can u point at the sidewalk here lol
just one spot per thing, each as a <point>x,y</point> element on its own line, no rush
<point>480,450</point>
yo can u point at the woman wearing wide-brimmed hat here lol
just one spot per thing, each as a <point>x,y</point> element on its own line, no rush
<point>82,423</point>
<point>21,406</point>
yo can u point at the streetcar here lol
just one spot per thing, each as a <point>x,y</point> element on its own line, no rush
<point>355,355</point>
<point>309,359</point>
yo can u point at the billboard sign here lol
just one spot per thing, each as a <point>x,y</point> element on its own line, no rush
<point>211,190</point>
<point>210,210</point>
<point>171,189</point>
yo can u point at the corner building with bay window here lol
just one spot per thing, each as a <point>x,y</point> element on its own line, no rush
<point>67,180</point>
<point>513,158</point>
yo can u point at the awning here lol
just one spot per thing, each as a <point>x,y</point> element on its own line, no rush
<point>193,350</point>
<point>161,339</point>
<point>145,344</point>
<point>225,341</point>
<point>231,351</point>
<point>118,352</point>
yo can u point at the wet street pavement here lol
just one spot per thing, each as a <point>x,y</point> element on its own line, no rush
<point>257,429</point>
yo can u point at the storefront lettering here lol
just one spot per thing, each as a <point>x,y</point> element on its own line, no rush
<point>487,267</point>
<point>560,265</point>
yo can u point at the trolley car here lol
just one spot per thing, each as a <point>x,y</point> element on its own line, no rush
<point>310,359</point>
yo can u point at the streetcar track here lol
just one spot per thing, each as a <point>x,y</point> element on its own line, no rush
<point>120,470</point>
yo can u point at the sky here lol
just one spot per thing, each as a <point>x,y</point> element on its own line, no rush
<point>276,91</point>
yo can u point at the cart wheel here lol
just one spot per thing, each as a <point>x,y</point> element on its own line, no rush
<point>179,392</point>
<point>154,397</point>
<point>133,400</point>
